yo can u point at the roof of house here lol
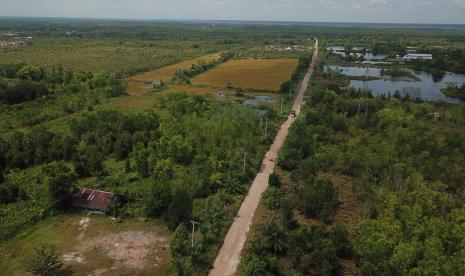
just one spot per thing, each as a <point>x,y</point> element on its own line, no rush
<point>418,56</point>
<point>92,199</point>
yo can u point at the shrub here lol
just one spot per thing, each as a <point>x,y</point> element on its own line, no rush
<point>180,209</point>
<point>274,180</point>
<point>319,199</point>
<point>45,261</point>
<point>339,234</point>
<point>272,198</point>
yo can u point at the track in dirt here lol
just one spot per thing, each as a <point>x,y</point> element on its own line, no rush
<point>229,257</point>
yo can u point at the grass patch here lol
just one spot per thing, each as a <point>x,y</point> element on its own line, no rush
<point>102,53</point>
<point>135,103</point>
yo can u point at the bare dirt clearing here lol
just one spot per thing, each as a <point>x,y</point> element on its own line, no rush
<point>129,249</point>
<point>94,245</point>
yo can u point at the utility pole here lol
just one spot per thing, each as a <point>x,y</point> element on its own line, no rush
<point>193,230</point>
<point>266,126</point>
<point>282,103</point>
<point>290,94</point>
<point>243,166</point>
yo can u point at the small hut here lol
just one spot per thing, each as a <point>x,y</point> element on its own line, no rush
<point>93,200</point>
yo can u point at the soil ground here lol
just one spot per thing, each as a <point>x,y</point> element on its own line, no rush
<point>93,245</point>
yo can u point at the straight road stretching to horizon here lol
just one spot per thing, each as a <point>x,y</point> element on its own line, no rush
<point>229,257</point>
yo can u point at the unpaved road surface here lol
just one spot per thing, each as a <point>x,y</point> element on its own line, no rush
<point>228,259</point>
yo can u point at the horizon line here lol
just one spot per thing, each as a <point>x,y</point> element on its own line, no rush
<point>228,20</point>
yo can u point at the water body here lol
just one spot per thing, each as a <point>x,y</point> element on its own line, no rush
<point>428,88</point>
<point>259,99</point>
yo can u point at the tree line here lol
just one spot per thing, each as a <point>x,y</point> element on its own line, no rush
<point>183,76</point>
<point>21,83</point>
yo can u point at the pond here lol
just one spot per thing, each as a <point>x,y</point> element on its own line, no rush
<point>260,99</point>
<point>428,87</point>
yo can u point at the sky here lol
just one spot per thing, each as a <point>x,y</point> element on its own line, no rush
<point>379,11</point>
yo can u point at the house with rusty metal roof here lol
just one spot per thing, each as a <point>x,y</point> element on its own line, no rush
<point>94,200</point>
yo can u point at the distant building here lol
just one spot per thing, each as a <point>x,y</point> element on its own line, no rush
<point>9,34</point>
<point>93,200</point>
<point>336,49</point>
<point>374,57</point>
<point>271,48</point>
<point>412,56</point>
<point>12,44</point>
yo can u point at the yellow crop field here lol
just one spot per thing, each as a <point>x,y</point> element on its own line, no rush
<point>260,74</point>
<point>166,73</point>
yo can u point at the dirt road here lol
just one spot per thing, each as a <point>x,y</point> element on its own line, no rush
<point>228,259</point>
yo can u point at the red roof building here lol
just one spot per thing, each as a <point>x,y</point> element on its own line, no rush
<point>92,199</point>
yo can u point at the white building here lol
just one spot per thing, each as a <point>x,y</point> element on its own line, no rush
<point>412,56</point>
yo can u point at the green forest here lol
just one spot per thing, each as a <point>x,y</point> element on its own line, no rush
<point>175,167</point>
<point>407,169</point>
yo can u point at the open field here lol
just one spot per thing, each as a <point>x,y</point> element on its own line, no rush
<point>259,74</point>
<point>102,54</point>
<point>139,84</point>
<point>93,245</point>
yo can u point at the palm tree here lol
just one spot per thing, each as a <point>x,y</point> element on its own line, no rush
<point>276,237</point>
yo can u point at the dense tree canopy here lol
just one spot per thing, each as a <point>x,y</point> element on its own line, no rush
<point>406,163</point>
<point>21,83</point>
